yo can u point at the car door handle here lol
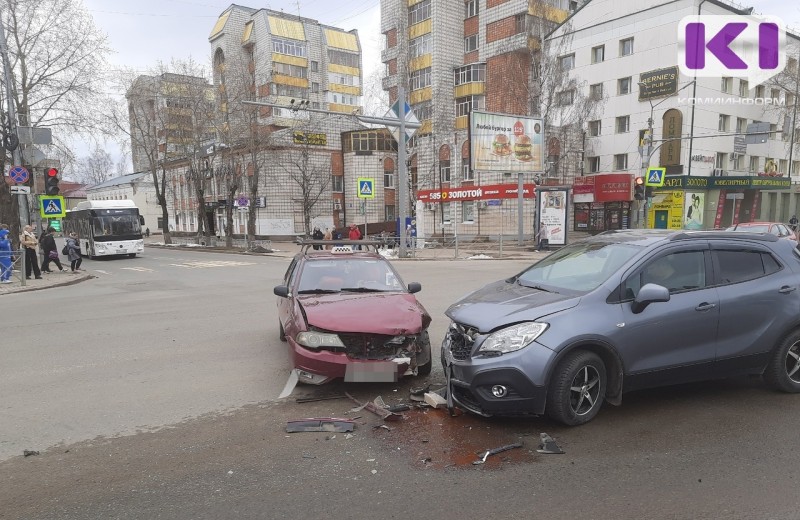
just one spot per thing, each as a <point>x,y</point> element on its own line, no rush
<point>705,306</point>
<point>786,289</point>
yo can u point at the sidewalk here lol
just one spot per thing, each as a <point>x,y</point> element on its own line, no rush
<point>54,279</point>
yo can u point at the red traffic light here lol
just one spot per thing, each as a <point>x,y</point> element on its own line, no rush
<point>639,180</point>
<point>52,172</point>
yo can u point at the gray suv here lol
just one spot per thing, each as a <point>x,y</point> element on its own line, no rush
<point>626,310</point>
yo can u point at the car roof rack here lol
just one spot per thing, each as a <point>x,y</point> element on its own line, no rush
<point>366,245</point>
<point>685,235</point>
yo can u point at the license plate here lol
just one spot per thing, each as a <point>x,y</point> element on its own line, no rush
<point>374,372</point>
<point>122,251</point>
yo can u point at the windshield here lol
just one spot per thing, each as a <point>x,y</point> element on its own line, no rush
<point>117,226</point>
<point>580,267</point>
<point>348,274</point>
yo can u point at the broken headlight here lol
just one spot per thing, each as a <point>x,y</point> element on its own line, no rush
<point>318,340</point>
<point>512,338</point>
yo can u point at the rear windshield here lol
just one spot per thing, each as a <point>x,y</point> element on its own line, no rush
<point>580,267</point>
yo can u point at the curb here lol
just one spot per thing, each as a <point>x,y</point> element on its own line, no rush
<point>29,288</point>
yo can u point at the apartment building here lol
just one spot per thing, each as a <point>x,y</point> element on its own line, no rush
<point>628,53</point>
<point>453,57</point>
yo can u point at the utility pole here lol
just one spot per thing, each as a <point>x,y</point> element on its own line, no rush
<point>11,142</point>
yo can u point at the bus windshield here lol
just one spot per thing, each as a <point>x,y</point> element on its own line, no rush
<point>120,227</point>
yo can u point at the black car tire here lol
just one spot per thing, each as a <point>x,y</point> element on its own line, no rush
<point>425,369</point>
<point>785,359</point>
<point>281,332</point>
<point>580,375</point>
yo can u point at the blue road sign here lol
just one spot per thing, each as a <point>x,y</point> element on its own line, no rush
<point>655,177</point>
<point>366,188</point>
<point>18,174</point>
<point>51,206</point>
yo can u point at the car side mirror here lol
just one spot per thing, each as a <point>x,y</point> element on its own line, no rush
<point>281,290</point>
<point>650,293</point>
<point>414,287</point>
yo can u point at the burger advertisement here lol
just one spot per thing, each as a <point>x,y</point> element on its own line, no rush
<point>503,143</point>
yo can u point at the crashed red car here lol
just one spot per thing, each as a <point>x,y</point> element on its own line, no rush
<point>347,314</point>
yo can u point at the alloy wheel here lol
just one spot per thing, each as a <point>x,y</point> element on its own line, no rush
<point>585,389</point>
<point>793,362</point>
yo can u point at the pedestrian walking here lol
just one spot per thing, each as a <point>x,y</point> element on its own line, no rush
<point>328,237</point>
<point>544,238</point>
<point>793,223</point>
<point>354,234</point>
<point>6,264</point>
<point>48,243</point>
<point>29,243</point>
<point>74,252</point>
<point>317,235</point>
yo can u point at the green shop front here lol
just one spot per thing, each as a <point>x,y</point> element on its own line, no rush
<point>686,202</point>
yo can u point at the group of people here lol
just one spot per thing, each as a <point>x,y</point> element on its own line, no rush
<point>29,244</point>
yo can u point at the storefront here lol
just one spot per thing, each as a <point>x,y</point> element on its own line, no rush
<point>602,202</point>
<point>709,202</point>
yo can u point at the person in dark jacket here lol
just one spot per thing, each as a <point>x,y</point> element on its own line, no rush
<point>74,252</point>
<point>48,243</point>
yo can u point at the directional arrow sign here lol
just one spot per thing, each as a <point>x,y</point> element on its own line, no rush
<point>20,190</point>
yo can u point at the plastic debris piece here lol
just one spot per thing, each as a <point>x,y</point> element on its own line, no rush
<point>435,400</point>
<point>495,451</point>
<point>28,453</point>
<point>548,445</point>
<point>317,424</point>
<point>385,414</point>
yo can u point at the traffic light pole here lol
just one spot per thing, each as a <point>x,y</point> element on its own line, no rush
<point>11,142</point>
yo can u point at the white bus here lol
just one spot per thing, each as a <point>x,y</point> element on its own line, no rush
<point>106,227</point>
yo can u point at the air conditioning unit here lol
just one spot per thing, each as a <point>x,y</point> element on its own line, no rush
<point>337,205</point>
<point>431,206</point>
<point>732,156</point>
<point>718,172</point>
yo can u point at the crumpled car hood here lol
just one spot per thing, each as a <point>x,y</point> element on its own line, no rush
<point>501,303</point>
<point>392,314</point>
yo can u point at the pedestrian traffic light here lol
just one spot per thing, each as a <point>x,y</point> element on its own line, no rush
<point>51,182</point>
<point>638,190</point>
<point>648,192</point>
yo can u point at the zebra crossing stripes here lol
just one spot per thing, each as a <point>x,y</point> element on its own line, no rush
<point>205,265</point>
<point>140,269</point>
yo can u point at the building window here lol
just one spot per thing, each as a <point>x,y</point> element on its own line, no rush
<point>595,128</point>
<point>724,122</point>
<point>738,162</point>
<point>594,164</point>
<point>775,94</point>
<point>760,92</point>
<point>423,110</point>
<point>741,125</point>
<point>596,91</point>
<point>470,8</point>
<point>744,88</point>
<point>388,179</point>
<point>466,172</point>
<point>419,12</point>
<point>444,171</point>
<point>573,6</point>
<point>315,105</point>
<point>421,78</point>
<point>566,62</point>
<point>420,46</point>
<point>626,47</point>
<point>623,124</point>
<point>447,209</point>
<point>469,74</point>
<point>566,98</point>
<point>290,47</point>
<point>348,59</point>
<point>314,87</point>
<point>598,54</point>
<point>471,43</point>
<point>773,131</point>
<point>468,211</point>
<point>754,164</point>
<point>621,161</point>
<point>314,66</point>
<point>624,86</point>
<point>465,105</point>
<point>726,85</point>
<point>720,160</point>
<point>519,23</point>
<point>290,70</point>
<point>338,183</point>
<point>389,213</point>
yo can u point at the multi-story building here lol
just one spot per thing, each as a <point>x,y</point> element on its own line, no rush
<point>453,57</point>
<point>698,123</point>
<point>161,117</point>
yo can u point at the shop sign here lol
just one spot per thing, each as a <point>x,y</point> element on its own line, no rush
<point>658,83</point>
<point>491,191</point>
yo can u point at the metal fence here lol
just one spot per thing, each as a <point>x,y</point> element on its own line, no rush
<point>237,243</point>
<point>17,266</point>
<point>495,246</point>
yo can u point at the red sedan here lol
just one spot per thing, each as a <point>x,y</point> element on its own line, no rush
<point>347,314</point>
<point>775,228</point>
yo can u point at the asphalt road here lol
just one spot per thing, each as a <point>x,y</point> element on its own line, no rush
<point>150,392</point>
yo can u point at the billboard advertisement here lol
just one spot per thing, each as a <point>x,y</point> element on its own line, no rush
<point>504,143</point>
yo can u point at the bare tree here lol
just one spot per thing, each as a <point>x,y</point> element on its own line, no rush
<point>95,168</point>
<point>58,65</point>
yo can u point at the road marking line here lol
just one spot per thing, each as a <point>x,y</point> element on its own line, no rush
<point>140,269</point>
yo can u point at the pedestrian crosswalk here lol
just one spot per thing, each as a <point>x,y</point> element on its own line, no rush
<point>204,265</point>
<point>139,269</point>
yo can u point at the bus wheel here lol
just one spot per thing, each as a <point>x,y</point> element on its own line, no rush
<point>131,255</point>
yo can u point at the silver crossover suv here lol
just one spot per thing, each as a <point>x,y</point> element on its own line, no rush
<point>626,310</point>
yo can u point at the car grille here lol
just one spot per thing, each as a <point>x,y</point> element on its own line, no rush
<point>375,346</point>
<point>460,340</point>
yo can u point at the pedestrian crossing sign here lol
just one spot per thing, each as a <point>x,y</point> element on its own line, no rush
<point>655,177</point>
<point>51,206</point>
<point>366,188</point>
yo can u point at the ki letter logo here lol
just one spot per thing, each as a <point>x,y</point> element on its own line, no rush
<point>743,46</point>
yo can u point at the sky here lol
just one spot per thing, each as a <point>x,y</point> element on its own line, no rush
<point>143,33</point>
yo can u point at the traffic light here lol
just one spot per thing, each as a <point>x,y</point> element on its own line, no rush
<point>638,190</point>
<point>51,182</point>
<point>648,192</point>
